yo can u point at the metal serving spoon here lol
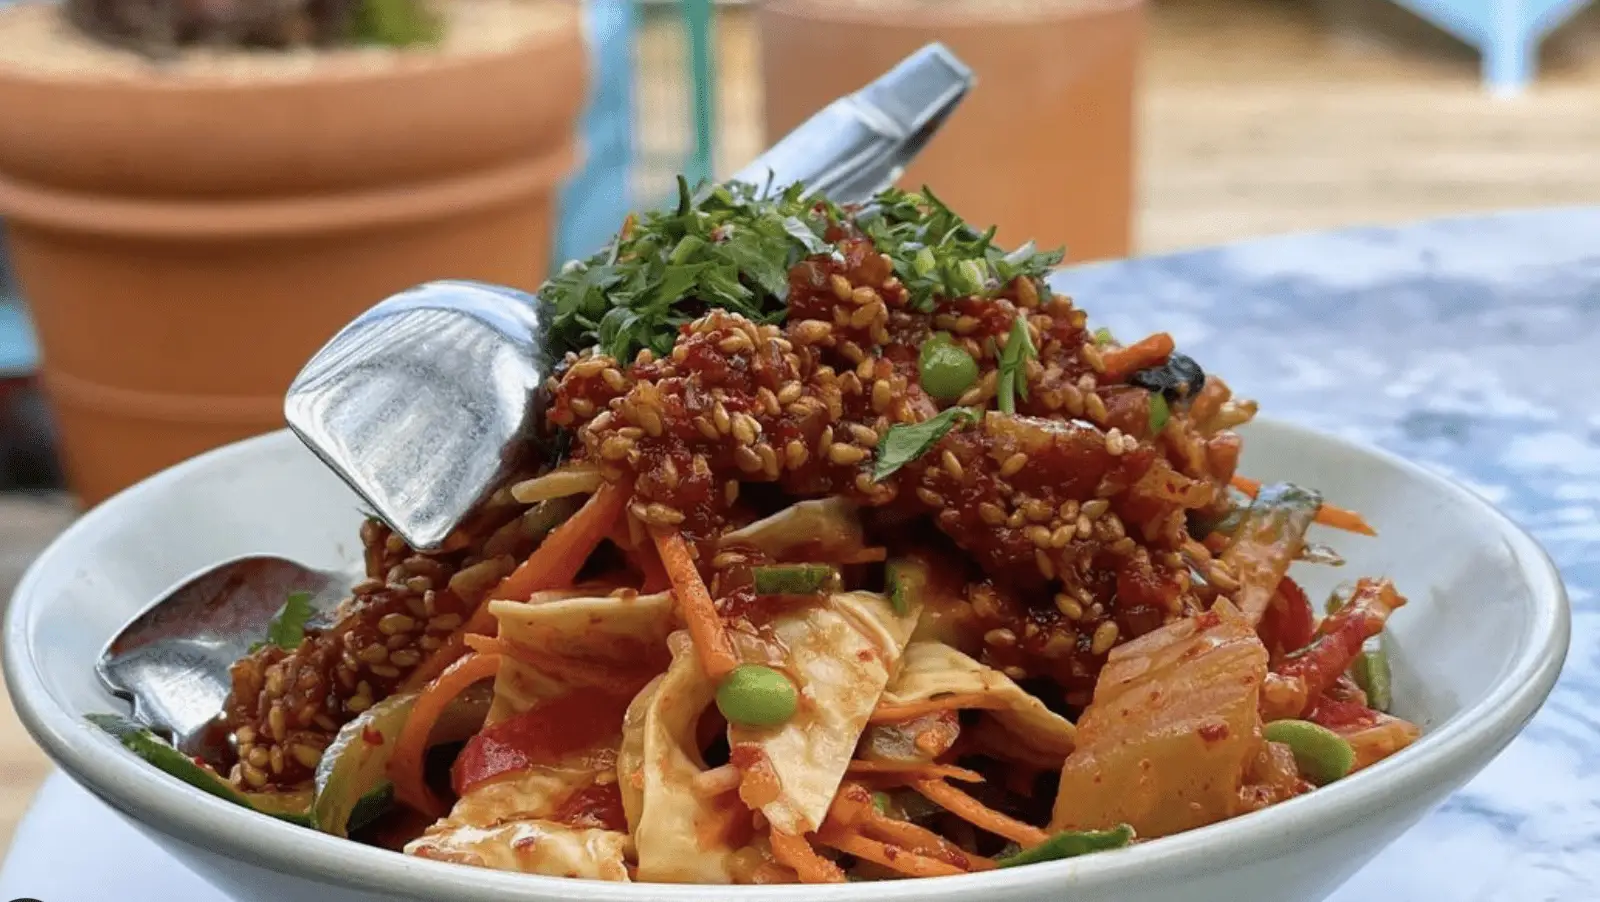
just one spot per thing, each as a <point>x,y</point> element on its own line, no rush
<point>172,661</point>
<point>427,402</point>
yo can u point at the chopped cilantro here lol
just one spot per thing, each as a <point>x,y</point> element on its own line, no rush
<point>1014,357</point>
<point>905,443</point>
<point>288,629</point>
<point>731,247</point>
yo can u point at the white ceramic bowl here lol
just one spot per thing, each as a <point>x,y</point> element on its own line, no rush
<point>1479,647</point>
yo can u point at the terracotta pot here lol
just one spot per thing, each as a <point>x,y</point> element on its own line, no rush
<point>1043,147</point>
<point>186,243</point>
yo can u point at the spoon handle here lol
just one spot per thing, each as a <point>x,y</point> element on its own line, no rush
<point>860,144</point>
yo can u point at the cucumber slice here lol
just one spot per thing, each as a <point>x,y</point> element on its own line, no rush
<point>794,579</point>
<point>147,745</point>
<point>293,807</point>
<point>1070,844</point>
<point>351,776</point>
<point>1371,672</point>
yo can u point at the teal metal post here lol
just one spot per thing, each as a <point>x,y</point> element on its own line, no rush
<point>697,21</point>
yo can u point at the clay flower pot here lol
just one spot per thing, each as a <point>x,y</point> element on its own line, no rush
<point>187,236</point>
<point>1043,147</point>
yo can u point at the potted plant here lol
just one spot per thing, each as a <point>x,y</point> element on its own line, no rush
<point>198,193</point>
<point>1044,147</point>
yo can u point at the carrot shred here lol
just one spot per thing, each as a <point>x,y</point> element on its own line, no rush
<point>977,814</point>
<point>955,700</point>
<point>1327,514</point>
<point>711,640</point>
<point>899,860</point>
<point>1124,362</point>
<point>922,841</point>
<point>797,853</point>
<point>916,770</point>
<point>411,747</point>
<point>554,564</point>
<point>874,555</point>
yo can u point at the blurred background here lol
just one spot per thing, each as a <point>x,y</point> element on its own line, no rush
<point>1113,126</point>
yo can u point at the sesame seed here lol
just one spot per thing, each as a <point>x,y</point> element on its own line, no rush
<point>444,623</point>
<point>1061,535</point>
<point>730,491</point>
<point>1093,509</point>
<point>373,654</point>
<point>863,296</point>
<point>1046,566</point>
<point>253,775</point>
<point>747,459</point>
<point>790,392</point>
<point>742,431</point>
<point>1013,465</point>
<point>705,428</point>
<point>405,657</point>
<point>1114,442</point>
<point>392,624</point>
<point>1038,535</point>
<point>795,454</point>
<point>308,756</point>
<point>1001,637</point>
<point>1091,355</point>
<point>277,759</point>
<point>258,756</point>
<point>930,497</point>
<point>841,287</point>
<point>384,670</point>
<point>277,723</point>
<point>845,455</point>
<point>613,378</point>
<point>863,435</point>
<point>1069,606</point>
<point>952,465</point>
<point>719,416</point>
<point>1014,672</point>
<point>1105,636</point>
<point>991,513</point>
<point>1095,406</point>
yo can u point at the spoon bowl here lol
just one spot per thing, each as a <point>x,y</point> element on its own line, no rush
<point>172,661</point>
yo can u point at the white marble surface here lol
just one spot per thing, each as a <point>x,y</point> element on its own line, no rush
<point>1465,344</point>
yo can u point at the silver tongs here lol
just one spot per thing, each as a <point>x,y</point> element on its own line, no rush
<point>428,402</point>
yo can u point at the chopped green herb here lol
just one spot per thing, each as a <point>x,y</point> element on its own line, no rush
<point>1014,359</point>
<point>1070,844</point>
<point>1102,336</point>
<point>880,801</point>
<point>288,629</point>
<point>794,579</point>
<point>903,444</point>
<point>1159,413</point>
<point>731,246</point>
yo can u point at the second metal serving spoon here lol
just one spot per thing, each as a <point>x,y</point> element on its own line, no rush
<point>425,403</point>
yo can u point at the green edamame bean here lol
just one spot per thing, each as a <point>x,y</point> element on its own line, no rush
<point>756,696</point>
<point>1322,755</point>
<point>946,368</point>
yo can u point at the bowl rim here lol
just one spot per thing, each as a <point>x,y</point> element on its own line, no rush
<point>1447,755</point>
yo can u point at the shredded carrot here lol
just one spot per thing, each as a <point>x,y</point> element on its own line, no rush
<point>1124,362</point>
<point>1327,514</point>
<point>873,555</point>
<point>405,765</point>
<point>711,640</point>
<point>977,814</point>
<point>956,700</point>
<point>902,861</point>
<point>563,553</point>
<point>916,770</point>
<point>797,853</point>
<point>553,565</point>
<point>922,841</point>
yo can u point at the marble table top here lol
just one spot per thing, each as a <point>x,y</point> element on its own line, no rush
<point>1462,344</point>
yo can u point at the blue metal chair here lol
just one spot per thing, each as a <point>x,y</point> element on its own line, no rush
<point>1507,33</point>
